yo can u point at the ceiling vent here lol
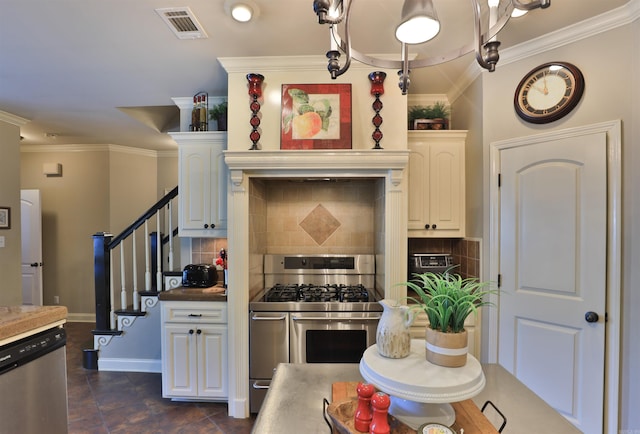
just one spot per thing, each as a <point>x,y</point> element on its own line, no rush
<point>182,22</point>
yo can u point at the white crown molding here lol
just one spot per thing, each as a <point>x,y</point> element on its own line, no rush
<point>96,148</point>
<point>289,63</point>
<point>12,119</point>
<point>605,22</point>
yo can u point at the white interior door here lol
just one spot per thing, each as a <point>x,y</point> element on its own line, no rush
<point>31,234</point>
<point>553,266</point>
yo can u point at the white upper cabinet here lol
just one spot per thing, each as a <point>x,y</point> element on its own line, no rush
<point>202,184</point>
<point>436,184</point>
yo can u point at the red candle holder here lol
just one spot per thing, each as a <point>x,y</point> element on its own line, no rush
<point>255,92</point>
<point>377,88</point>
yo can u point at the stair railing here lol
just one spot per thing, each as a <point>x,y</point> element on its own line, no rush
<point>104,250</point>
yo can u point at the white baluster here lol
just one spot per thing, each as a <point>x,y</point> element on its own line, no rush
<point>123,286</point>
<point>147,258</point>
<point>112,294</point>
<point>136,296</point>
<point>158,254</point>
<point>170,205</point>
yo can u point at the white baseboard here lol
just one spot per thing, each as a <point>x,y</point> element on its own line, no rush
<point>130,365</point>
<point>81,317</point>
<point>239,408</point>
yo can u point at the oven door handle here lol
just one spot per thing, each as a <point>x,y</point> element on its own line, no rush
<point>256,385</point>
<point>325,318</point>
<point>268,318</point>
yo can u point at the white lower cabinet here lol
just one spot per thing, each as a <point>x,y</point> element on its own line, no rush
<point>194,350</point>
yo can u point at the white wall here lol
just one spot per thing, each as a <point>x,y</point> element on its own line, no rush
<point>609,62</point>
<point>311,70</point>
<point>10,254</point>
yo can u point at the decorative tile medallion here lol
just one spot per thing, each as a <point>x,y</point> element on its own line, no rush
<point>320,224</point>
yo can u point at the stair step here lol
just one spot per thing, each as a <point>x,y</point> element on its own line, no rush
<point>129,312</point>
<point>106,332</point>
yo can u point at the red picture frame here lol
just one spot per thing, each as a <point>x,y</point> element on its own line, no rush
<point>316,116</point>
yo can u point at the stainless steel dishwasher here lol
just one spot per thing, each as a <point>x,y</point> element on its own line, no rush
<point>33,384</point>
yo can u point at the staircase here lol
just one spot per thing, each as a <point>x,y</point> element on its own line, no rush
<point>123,264</point>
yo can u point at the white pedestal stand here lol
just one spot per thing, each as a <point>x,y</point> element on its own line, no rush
<point>421,391</point>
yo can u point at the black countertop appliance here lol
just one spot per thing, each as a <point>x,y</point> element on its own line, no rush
<point>199,276</point>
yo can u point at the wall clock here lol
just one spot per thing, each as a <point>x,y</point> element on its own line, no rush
<point>548,92</point>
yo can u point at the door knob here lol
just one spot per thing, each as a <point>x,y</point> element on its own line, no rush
<point>591,316</point>
<point>427,226</point>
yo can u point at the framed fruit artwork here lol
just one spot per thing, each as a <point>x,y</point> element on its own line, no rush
<point>316,116</point>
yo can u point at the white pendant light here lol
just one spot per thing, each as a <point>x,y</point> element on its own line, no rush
<point>419,22</point>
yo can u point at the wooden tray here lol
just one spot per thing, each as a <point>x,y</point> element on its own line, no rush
<point>342,412</point>
<point>344,403</point>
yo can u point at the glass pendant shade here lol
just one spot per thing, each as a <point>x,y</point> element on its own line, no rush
<point>419,22</point>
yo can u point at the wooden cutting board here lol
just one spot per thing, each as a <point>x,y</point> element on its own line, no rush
<point>468,415</point>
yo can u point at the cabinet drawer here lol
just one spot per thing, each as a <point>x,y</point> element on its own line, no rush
<point>197,312</point>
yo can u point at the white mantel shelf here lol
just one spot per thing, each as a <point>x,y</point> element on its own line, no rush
<point>321,163</point>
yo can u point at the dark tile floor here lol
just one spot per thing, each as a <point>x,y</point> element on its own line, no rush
<point>131,402</point>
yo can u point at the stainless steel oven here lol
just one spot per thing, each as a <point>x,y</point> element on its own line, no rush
<point>331,337</point>
<point>315,309</point>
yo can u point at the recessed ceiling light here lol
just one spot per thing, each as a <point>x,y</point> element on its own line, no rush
<point>241,10</point>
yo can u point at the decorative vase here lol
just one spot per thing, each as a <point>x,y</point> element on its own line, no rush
<point>393,339</point>
<point>255,92</point>
<point>446,349</point>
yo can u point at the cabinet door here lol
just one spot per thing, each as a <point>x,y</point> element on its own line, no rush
<point>195,187</point>
<point>445,186</point>
<point>418,186</point>
<point>179,361</point>
<point>203,184</point>
<point>219,174</point>
<point>436,184</point>
<point>212,361</point>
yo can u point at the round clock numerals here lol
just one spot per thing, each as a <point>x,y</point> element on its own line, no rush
<point>548,92</point>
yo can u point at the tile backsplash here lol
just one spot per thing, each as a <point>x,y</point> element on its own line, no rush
<point>320,216</point>
<point>206,250</point>
<point>465,252</point>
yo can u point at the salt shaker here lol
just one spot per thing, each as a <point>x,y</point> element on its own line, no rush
<point>380,404</point>
<point>363,414</point>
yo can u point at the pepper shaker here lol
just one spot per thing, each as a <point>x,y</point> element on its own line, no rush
<point>380,403</point>
<point>363,414</point>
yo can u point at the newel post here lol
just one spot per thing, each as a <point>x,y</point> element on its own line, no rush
<point>102,276</point>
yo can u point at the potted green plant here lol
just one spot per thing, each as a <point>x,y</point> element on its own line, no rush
<point>440,114</point>
<point>418,112</point>
<point>448,300</point>
<point>219,113</point>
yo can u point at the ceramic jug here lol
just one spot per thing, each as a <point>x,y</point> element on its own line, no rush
<point>392,336</point>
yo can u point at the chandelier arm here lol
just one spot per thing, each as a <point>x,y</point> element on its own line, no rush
<point>345,45</point>
<point>325,19</point>
<point>534,4</point>
<point>404,72</point>
<point>477,34</point>
<point>352,53</point>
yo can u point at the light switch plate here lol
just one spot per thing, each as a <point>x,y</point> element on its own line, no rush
<point>2,241</point>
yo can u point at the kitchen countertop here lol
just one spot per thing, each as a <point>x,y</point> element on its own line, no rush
<point>294,401</point>
<point>182,293</point>
<point>17,322</point>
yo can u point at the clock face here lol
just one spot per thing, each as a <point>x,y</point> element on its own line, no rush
<point>548,92</point>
